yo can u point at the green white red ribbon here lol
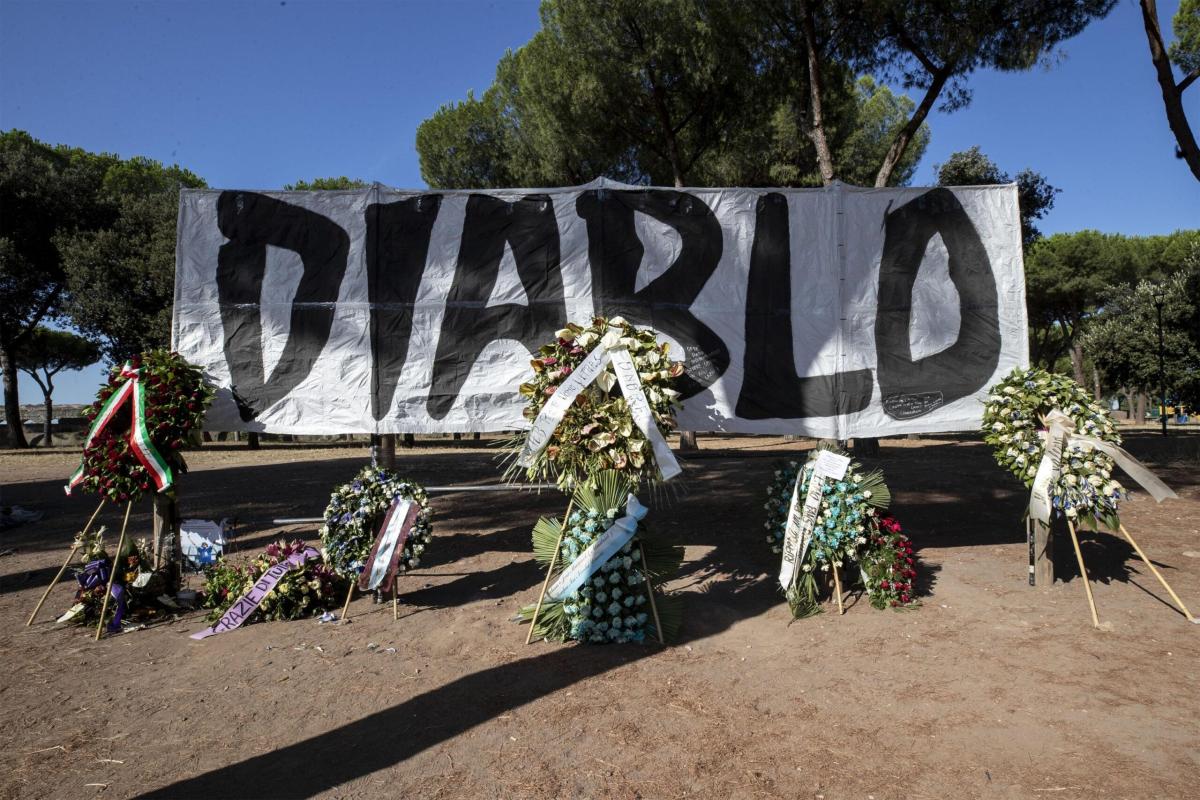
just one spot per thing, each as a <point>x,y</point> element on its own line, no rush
<point>139,435</point>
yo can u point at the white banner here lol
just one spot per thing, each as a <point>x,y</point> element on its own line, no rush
<point>834,312</point>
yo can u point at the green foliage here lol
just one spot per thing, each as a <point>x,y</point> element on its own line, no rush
<point>45,192</point>
<point>46,352</point>
<point>673,91</point>
<point>1066,277</point>
<point>1035,195</point>
<point>1185,50</point>
<point>1123,337</point>
<point>467,145</point>
<point>341,182</point>
<point>121,278</point>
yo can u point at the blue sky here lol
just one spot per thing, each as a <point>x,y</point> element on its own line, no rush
<point>259,94</point>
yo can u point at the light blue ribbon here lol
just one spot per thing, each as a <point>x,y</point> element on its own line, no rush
<point>597,554</point>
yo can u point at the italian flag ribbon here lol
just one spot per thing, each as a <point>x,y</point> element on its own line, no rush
<point>139,435</point>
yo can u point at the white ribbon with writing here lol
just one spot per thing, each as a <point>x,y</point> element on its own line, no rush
<point>1059,435</point>
<point>597,554</point>
<point>609,349</point>
<point>394,534</point>
<point>801,521</point>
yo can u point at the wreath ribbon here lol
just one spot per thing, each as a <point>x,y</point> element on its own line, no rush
<point>133,390</point>
<point>1059,434</point>
<point>598,552</point>
<point>590,369</point>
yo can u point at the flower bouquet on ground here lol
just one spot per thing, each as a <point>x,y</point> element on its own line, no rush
<point>1013,415</point>
<point>135,587</point>
<point>848,530</point>
<point>354,515</point>
<point>148,412</point>
<point>888,565</point>
<point>613,603</point>
<point>597,431</point>
<point>306,591</point>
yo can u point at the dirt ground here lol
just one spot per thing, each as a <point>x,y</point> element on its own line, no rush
<point>991,689</point>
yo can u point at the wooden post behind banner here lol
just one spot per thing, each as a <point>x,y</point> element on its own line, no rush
<point>67,563</point>
<point>112,573</point>
<point>549,571</point>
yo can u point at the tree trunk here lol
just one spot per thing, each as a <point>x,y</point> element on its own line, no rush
<point>1096,391</point>
<point>1077,364</point>
<point>905,134</point>
<point>687,441</point>
<point>816,131</point>
<point>47,433</point>
<point>1172,93</point>
<point>387,450</point>
<point>1140,415</point>
<point>410,440</point>
<point>166,538</point>
<point>252,442</point>
<point>12,403</point>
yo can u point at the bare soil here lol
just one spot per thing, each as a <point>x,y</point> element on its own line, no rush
<point>991,689</point>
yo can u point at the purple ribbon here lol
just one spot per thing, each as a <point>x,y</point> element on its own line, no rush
<point>96,574</point>
<point>240,611</point>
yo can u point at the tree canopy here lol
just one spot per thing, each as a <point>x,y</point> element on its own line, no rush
<point>45,193</point>
<point>1035,195</point>
<point>121,278</point>
<point>44,353</point>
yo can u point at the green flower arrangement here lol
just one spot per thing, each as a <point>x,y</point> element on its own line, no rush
<point>843,530</point>
<point>302,592</point>
<point>613,605</point>
<point>1012,416</point>
<point>357,509</point>
<point>598,432</point>
<point>177,395</point>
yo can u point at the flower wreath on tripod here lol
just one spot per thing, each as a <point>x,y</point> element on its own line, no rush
<point>357,509</point>
<point>849,530</point>
<point>612,604</point>
<point>150,409</point>
<point>1012,419</point>
<point>598,430</point>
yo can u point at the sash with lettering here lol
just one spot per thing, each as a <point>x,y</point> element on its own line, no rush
<point>802,520</point>
<point>590,369</point>
<point>1060,434</point>
<point>597,554</point>
<point>240,611</point>
<point>384,560</point>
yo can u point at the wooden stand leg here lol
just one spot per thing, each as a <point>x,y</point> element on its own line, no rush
<point>1087,584</point>
<point>1158,575</point>
<point>112,573</point>
<point>67,563</point>
<point>349,595</point>
<point>53,583</point>
<point>395,598</point>
<point>650,593</point>
<point>837,588</point>
<point>549,571</point>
